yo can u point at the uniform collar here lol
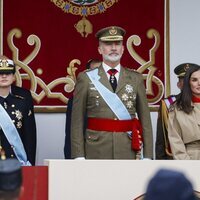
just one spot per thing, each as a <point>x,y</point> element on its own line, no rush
<point>106,67</point>
<point>7,99</point>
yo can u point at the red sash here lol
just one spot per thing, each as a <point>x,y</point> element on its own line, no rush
<point>115,126</point>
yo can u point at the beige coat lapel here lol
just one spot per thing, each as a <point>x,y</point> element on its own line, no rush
<point>197,112</point>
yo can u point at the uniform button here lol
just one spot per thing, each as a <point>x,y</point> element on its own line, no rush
<point>13,112</point>
<point>13,105</point>
<point>13,121</point>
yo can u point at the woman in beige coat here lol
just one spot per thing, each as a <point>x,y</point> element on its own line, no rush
<point>184,118</point>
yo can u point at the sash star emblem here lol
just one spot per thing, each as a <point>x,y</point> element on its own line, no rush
<point>124,97</point>
<point>129,88</point>
<point>18,114</point>
<point>19,124</point>
<point>129,104</point>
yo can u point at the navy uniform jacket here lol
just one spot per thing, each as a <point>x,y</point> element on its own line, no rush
<point>19,106</point>
<point>87,101</point>
<point>67,145</point>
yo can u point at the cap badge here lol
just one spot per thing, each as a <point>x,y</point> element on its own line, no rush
<point>186,67</point>
<point>4,63</point>
<point>113,31</point>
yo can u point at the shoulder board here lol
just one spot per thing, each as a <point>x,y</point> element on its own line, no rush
<point>133,70</point>
<point>87,70</point>
<point>169,100</point>
<point>20,97</point>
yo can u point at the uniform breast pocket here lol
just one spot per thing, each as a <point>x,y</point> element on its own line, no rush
<point>92,136</point>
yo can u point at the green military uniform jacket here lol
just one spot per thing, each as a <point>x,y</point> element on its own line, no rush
<point>87,101</point>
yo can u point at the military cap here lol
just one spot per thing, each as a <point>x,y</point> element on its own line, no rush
<point>10,175</point>
<point>7,66</point>
<point>111,33</point>
<point>169,184</point>
<point>181,69</point>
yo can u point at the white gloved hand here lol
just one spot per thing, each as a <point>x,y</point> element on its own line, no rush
<point>79,158</point>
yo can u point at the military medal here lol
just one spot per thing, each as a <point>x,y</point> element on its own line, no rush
<point>18,114</point>
<point>129,88</point>
<point>19,124</point>
<point>124,97</point>
<point>133,96</point>
<point>129,104</point>
<point>129,96</point>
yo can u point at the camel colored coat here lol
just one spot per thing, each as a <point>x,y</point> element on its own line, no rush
<point>184,133</point>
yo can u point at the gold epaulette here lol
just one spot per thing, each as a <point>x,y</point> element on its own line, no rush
<point>87,70</point>
<point>132,70</point>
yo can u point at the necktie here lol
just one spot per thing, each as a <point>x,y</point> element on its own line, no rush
<point>113,80</point>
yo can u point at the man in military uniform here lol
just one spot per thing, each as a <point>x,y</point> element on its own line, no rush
<point>163,151</point>
<point>17,121</point>
<point>91,64</point>
<point>111,96</point>
<point>10,179</point>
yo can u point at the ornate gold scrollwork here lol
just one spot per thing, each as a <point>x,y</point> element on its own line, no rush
<point>84,8</point>
<point>35,81</point>
<point>147,65</point>
<point>70,79</point>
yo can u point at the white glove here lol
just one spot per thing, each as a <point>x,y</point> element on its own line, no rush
<point>79,158</point>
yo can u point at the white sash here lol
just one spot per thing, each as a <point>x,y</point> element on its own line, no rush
<point>13,137</point>
<point>112,100</point>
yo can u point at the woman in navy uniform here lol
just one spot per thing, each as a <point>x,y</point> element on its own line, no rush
<point>184,118</point>
<point>16,107</point>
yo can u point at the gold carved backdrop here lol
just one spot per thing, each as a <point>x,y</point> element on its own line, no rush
<point>51,41</point>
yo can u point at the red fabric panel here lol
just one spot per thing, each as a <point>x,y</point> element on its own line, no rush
<point>61,43</point>
<point>35,183</point>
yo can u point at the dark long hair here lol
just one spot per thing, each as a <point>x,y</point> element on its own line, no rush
<point>185,98</point>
